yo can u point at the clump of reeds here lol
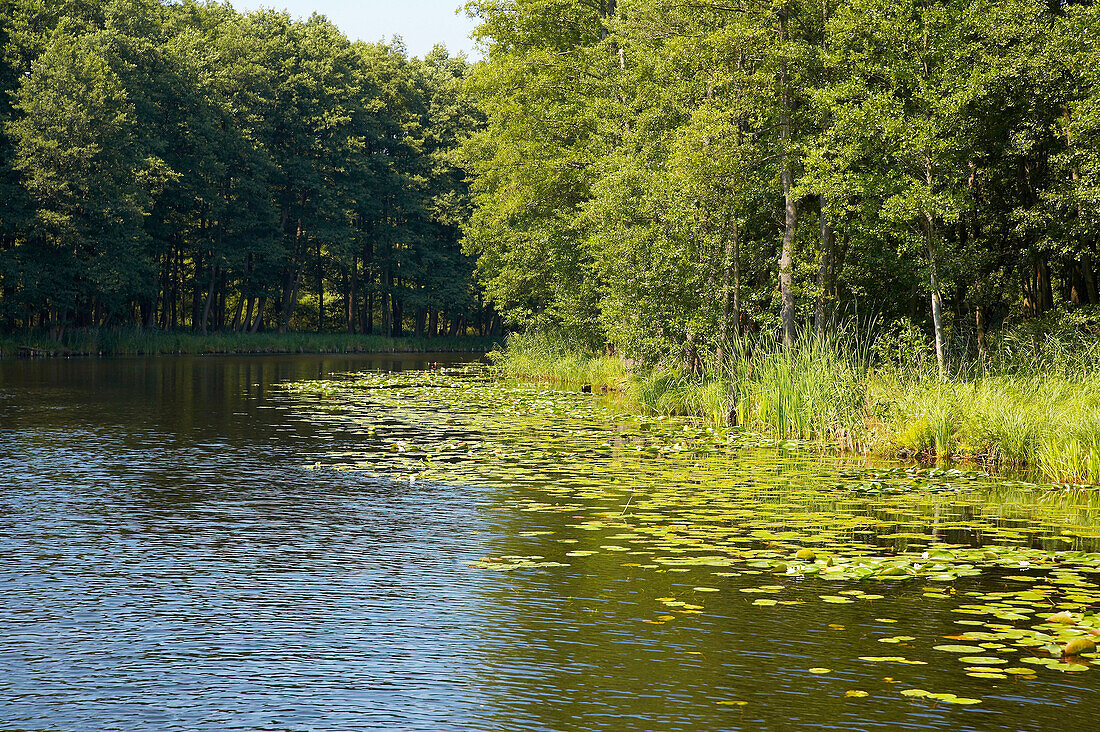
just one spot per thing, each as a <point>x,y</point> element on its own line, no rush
<point>540,357</point>
<point>1030,400</point>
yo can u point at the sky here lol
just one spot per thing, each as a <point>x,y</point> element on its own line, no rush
<point>421,23</point>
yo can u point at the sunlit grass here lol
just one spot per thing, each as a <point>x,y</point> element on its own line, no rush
<point>1040,412</point>
<point>538,357</point>
<point>1049,422</point>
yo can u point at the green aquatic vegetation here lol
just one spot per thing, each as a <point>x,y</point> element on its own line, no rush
<point>534,356</point>
<point>940,697</point>
<point>736,519</point>
<point>508,563</point>
<point>1046,421</point>
<point>828,391</point>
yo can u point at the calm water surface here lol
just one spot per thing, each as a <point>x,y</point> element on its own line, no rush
<point>179,553</point>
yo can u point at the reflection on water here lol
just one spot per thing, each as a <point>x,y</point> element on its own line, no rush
<point>180,554</point>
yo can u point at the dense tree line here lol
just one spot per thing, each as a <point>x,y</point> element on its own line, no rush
<point>183,165</point>
<point>662,176</point>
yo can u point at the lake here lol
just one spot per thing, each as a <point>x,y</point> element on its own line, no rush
<point>402,543</point>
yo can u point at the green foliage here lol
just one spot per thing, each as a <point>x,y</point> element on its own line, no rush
<point>187,166</point>
<point>648,171</point>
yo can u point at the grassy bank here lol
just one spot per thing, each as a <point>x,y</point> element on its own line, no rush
<point>134,342</point>
<point>1029,411</point>
<point>536,357</point>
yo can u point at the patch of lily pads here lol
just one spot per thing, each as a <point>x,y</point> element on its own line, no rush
<point>671,496</point>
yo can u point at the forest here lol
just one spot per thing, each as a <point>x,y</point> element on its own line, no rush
<point>182,166</point>
<point>665,176</point>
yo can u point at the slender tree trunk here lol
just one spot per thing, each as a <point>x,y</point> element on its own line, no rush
<point>246,324</point>
<point>368,313</point>
<point>398,315</point>
<point>219,304</point>
<point>385,315</point>
<point>1089,276</point>
<point>196,291</point>
<point>236,324</point>
<point>320,291</point>
<point>786,262</point>
<point>290,297</point>
<point>790,204</point>
<point>258,323</point>
<point>1044,289</point>
<point>823,269</point>
<point>736,313</point>
<point>979,325</point>
<point>209,298</point>
<point>353,280</point>
<point>937,300</point>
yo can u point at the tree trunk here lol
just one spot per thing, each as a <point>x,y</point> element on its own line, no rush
<point>209,298</point>
<point>290,297</point>
<point>258,323</point>
<point>353,279</point>
<point>385,314</point>
<point>786,262</point>
<point>790,205</point>
<point>320,291</point>
<point>824,269</point>
<point>368,313</point>
<point>979,325</point>
<point>1044,289</point>
<point>1089,276</point>
<point>937,300</point>
<point>196,291</point>
<point>433,316</point>
<point>398,316</point>
<point>236,324</point>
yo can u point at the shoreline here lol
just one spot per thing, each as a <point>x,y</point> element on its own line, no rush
<point>1042,423</point>
<point>99,344</point>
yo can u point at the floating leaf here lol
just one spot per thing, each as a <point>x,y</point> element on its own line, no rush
<point>958,649</point>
